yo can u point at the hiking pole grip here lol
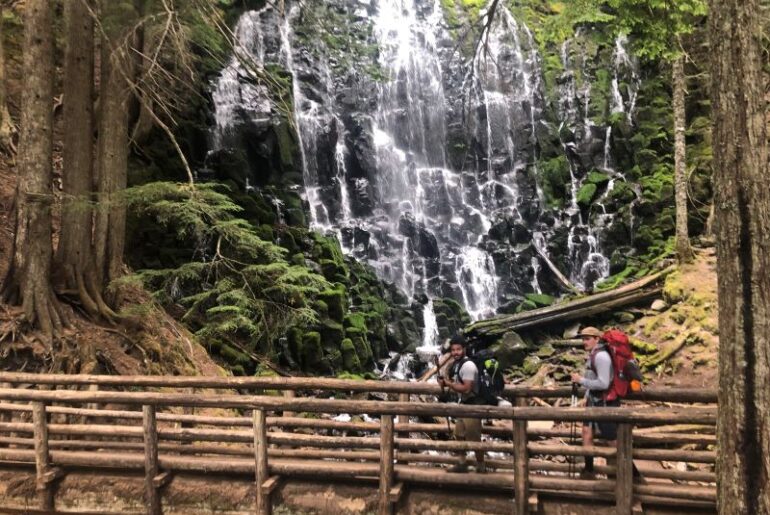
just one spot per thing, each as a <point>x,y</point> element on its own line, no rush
<point>573,400</point>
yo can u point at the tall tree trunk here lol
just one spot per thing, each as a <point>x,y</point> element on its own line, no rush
<point>742,226</point>
<point>683,250</point>
<point>29,276</point>
<point>6,124</point>
<point>75,253</point>
<point>116,66</point>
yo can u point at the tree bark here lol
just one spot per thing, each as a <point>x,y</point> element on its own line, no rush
<point>683,250</point>
<point>6,123</point>
<point>29,276</point>
<point>75,252</point>
<point>116,66</point>
<point>742,227</point>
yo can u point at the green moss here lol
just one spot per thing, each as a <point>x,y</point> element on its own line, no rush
<point>555,177</point>
<point>312,353</point>
<point>332,334</point>
<point>350,360</point>
<point>598,178</point>
<point>586,194</point>
<point>356,320</point>
<point>540,299</point>
<point>234,356</point>
<point>361,344</point>
<point>336,304</point>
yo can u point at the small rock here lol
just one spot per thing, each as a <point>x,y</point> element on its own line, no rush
<point>571,331</point>
<point>624,317</point>
<point>659,305</point>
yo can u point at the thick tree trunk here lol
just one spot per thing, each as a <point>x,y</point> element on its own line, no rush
<point>742,226</point>
<point>6,123</point>
<point>683,250</point>
<point>75,253</point>
<point>29,276</point>
<point>116,66</point>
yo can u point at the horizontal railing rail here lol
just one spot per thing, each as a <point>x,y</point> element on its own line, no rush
<point>51,430</point>
<point>687,395</point>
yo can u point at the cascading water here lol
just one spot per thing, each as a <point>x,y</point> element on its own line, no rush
<point>379,167</point>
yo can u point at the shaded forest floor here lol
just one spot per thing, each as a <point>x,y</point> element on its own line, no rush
<point>150,342</point>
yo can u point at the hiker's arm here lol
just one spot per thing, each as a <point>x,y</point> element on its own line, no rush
<point>465,387</point>
<point>603,366</point>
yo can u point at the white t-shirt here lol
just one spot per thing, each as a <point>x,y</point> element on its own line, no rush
<point>468,373</point>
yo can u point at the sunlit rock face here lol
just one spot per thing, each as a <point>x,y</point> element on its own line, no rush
<point>454,176</point>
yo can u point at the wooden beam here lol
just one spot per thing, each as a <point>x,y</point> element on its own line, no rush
<point>624,481</point>
<point>385,507</point>
<point>152,501</point>
<point>271,484</point>
<point>701,395</point>
<point>162,479</point>
<point>264,506</point>
<point>396,492</point>
<point>43,487</point>
<point>53,474</point>
<point>637,415</point>
<point>520,465</point>
<point>403,419</point>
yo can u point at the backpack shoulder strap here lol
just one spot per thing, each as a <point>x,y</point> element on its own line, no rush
<point>457,366</point>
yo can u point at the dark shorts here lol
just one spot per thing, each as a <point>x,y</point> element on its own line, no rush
<point>607,430</point>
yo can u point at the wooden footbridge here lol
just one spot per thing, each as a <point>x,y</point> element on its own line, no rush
<point>163,426</point>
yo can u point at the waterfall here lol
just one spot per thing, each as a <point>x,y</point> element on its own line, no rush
<point>233,89</point>
<point>377,161</point>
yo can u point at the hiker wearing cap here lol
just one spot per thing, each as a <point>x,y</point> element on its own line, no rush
<point>463,380</point>
<point>596,380</point>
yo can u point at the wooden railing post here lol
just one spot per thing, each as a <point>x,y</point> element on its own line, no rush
<point>520,463</point>
<point>264,506</point>
<point>624,478</point>
<point>44,472</point>
<point>386,464</point>
<point>289,394</point>
<point>151,493</point>
<point>403,419</point>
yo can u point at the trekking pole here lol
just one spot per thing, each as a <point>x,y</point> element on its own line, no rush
<point>573,429</point>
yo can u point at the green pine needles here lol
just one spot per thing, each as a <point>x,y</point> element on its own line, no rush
<point>238,291</point>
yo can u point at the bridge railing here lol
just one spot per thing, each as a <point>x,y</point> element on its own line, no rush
<point>244,445</point>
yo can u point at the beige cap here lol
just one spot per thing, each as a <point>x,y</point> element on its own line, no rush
<point>590,331</point>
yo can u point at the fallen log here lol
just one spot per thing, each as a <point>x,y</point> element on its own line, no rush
<point>642,290</point>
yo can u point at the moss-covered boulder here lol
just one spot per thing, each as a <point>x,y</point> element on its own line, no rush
<point>332,334</point>
<point>350,361</point>
<point>336,303</point>
<point>361,344</point>
<point>312,352</point>
<point>510,350</point>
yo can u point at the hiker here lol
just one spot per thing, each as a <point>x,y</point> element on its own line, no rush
<point>463,380</point>
<point>596,380</point>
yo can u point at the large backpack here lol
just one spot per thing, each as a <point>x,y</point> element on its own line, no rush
<point>626,374</point>
<point>490,378</point>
